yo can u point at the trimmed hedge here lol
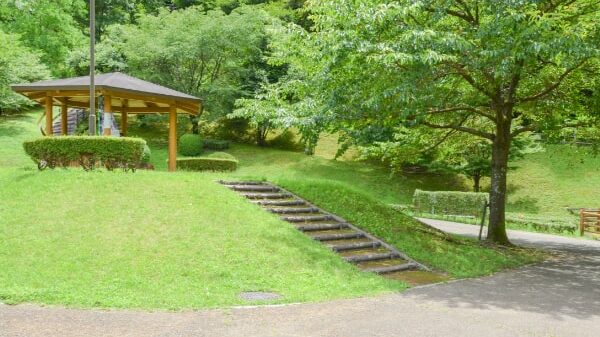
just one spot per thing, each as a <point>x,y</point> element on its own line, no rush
<point>449,202</point>
<point>88,151</point>
<point>207,164</point>
<point>216,144</point>
<point>221,155</point>
<point>190,145</point>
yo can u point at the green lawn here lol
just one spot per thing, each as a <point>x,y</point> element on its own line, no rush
<point>163,240</point>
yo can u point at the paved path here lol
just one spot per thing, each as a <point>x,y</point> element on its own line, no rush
<point>555,298</point>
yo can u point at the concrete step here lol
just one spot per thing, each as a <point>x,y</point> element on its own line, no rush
<point>267,195</point>
<point>230,183</point>
<point>294,202</point>
<point>254,188</point>
<point>369,257</point>
<point>322,226</point>
<point>391,269</point>
<point>339,236</point>
<point>293,210</point>
<point>355,246</point>
<point>306,218</point>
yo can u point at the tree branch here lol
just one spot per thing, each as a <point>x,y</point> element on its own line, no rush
<point>440,141</point>
<point>533,127</point>
<point>459,127</point>
<point>522,129</point>
<point>466,108</point>
<point>469,79</point>
<point>514,82</point>
<point>552,86</point>
<point>466,16</point>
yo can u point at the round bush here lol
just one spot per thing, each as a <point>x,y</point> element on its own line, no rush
<point>190,145</point>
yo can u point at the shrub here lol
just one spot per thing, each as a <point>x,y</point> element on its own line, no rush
<point>221,155</point>
<point>234,129</point>
<point>216,144</point>
<point>88,151</point>
<point>207,164</point>
<point>285,141</point>
<point>190,145</point>
<point>449,202</point>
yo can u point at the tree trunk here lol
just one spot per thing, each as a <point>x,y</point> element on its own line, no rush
<point>195,126</point>
<point>500,150</point>
<point>476,180</point>
<point>261,135</point>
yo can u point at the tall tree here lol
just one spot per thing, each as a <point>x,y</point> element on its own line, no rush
<point>209,54</point>
<point>491,69</point>
<point>48,26</point>
<point>18,64</point>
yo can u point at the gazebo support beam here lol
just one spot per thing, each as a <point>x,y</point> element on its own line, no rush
<point>125,104</point>
<point>172,137</point>
<point>64,126</point>
<point>49,115</point>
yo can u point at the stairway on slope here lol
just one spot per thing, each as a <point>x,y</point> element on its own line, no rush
<point>74,117</point>
<point>367,252</point>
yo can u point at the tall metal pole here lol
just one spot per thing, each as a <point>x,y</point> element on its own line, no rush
<point>92,121</point>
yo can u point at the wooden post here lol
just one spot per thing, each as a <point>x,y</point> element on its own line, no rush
<point>125,104</point>
<point>172,137</point>
<point>64,122</point>
<point>484,213</point>
<point>49,131</point>
<point>107,122</point>
<point>581,221</point>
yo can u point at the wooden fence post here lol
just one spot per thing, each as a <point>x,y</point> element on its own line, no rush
<point>581,221</point>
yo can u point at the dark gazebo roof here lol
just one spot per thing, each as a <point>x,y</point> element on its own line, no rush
<point>141,96</point>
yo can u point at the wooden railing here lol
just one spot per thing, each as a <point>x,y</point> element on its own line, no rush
<point>589,221</point>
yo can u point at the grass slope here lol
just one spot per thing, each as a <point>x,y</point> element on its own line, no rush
<point>548,182</point>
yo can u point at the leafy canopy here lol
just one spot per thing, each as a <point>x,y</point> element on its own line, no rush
<point>18,64</point>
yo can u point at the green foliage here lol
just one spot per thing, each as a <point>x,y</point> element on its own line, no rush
<point>112,152</point>
<point>216,144</point>
<point>109,55</point>
<point>233,129</point>
<point>207,164</point>
<point>190,145</point>
<point>18,64</point>
<point>207,54</point>
<point>286,140</point>
<point>441,151</point>
<point>50,27</point>
<point>292,100</point>
<point>449,202</point>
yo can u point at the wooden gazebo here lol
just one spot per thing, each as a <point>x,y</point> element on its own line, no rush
<point>121,93</point>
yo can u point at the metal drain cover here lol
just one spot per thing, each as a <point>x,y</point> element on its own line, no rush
<point>259,296</point>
